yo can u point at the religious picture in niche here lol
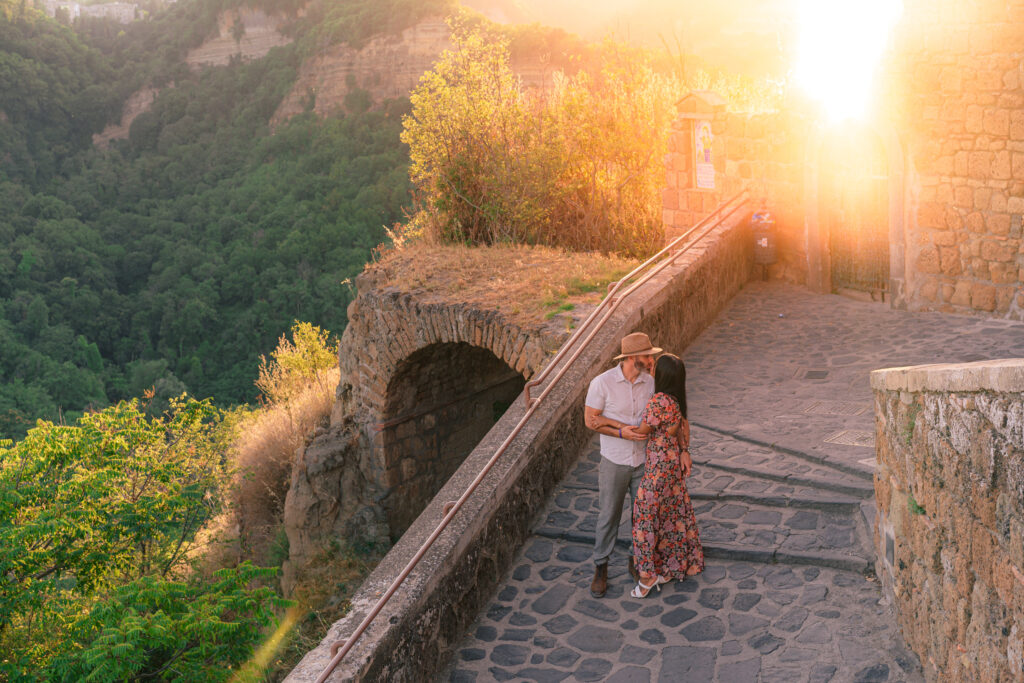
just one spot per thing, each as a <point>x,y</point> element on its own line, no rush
<point>704,169</point>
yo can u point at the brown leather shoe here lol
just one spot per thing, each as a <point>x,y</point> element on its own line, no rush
<point>600,583</point>
<point>632,570</point>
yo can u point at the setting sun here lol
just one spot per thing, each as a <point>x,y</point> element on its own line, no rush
<point>840,46</point>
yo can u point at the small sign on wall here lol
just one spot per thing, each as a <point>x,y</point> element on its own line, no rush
<point>704,167</point>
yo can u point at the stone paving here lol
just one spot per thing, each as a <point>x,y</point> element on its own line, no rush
<point>782,418</point>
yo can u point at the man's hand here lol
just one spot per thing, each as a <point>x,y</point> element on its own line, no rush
<point>631,433</point>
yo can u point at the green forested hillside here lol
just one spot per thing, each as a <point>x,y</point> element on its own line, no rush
<point>173,259</point>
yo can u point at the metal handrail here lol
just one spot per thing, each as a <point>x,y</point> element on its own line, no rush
<point>342,647</point>
<point>611,299</point>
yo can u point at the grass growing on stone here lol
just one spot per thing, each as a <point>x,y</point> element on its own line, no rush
<point>525,284</point>
<point>913,506</point>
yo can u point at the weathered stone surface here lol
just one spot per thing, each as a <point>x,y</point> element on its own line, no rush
<point>554,599</point>
<point>687,664</point>
<point>949,534</point>
<point>590,638</point>
<point>708,628</point>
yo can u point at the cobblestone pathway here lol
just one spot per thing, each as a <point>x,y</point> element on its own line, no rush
<point>782,440</point>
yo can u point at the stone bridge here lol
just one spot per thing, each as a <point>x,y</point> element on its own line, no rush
<point>422,385</point>
<point>423,380</point>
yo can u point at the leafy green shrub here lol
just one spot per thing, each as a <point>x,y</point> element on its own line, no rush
<point>298,363</point>
<point>97,521</point>
<point>578,167</point>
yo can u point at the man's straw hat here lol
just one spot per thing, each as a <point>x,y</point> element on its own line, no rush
<point>637,344</point>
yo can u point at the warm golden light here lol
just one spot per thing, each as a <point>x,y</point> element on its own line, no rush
<point>841,44</point>
<point>256,667</point>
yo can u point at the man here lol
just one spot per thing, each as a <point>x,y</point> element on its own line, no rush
<point>615,400</point>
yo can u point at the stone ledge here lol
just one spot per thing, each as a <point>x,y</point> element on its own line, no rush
<point>1005,375</point>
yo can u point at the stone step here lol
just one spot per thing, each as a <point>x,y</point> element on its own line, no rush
<point>752,469</point>
<point>858,470</point>
<point>711,482</point>
<point>772,471</point>
<point>743,457</point>
<point>831,536</point>
<point>738,552</point>
<point>708,482</point>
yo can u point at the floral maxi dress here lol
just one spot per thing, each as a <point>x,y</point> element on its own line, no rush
<point>665,538</point>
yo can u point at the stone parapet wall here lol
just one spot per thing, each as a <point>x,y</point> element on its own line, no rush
<point>412,637</point>
<point>954,90</point>
<point>950,526</point>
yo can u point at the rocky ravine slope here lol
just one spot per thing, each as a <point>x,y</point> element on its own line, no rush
<point>389,66</point>
<point>261,34</point>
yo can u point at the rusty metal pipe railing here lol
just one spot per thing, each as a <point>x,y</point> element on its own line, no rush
<point>342,647</point>
<point>614,290</point>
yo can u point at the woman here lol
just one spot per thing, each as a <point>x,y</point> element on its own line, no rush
<point>665,538</point>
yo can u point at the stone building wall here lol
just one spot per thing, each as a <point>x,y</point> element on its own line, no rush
<point>953,89</point>
<point>950,525</point>
<point>761,152</point>
<point>949,114</point>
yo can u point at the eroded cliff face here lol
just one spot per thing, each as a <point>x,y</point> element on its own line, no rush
<point>140,101</point>
<point>389,66</point>
<point>261,33</point>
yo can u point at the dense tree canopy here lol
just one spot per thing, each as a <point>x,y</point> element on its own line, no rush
<point>96,524</point>
<point>174,259</point>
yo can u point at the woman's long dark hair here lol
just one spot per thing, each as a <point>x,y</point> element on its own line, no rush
<point>670,378</point>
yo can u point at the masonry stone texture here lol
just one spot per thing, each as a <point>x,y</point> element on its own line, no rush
<point>950,533</point>
<point>441,401</point>
<point>950,118</point>
<point>421,379</point>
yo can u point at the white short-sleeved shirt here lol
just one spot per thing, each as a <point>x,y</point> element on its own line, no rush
<point>618,399</point>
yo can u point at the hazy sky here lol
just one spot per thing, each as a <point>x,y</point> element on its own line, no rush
<point>741,32</point>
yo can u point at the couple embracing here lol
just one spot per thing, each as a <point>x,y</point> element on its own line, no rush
<point>645,440</point>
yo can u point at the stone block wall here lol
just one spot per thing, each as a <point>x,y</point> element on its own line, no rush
<point>953,88</point>
<point>412,637</point>
<point>761,152</point>
<point>950,526</point>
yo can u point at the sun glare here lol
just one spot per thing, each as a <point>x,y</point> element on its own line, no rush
<point>840,46</point>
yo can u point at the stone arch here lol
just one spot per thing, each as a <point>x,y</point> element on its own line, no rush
<point>345,481</point>
<point>396,356</point>
<point>441,401</point>
<point>818,238</point>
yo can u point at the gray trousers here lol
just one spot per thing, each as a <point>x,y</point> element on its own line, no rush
<point>612,483</point>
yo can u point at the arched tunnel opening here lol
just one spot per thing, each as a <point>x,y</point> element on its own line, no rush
<point>441,401</point>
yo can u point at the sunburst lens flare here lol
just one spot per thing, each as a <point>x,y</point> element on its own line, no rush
<point>840,47</point>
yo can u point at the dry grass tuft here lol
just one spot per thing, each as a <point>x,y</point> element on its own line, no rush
<point>264,453</point>
<point>528,284</point>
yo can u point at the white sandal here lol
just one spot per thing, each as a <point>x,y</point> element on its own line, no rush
<point>642,591</point>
